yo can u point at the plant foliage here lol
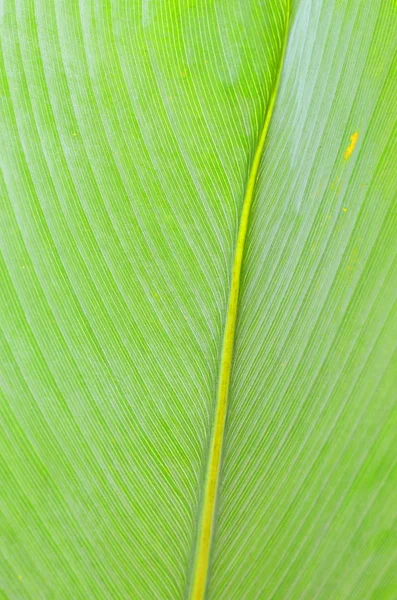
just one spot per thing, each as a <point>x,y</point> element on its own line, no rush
<point>128,130</point>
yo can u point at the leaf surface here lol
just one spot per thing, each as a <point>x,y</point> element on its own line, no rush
<point>128,131</point>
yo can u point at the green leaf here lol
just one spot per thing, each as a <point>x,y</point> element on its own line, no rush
<point>129,131</point>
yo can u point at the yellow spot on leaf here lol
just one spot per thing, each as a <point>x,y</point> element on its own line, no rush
<point>351,146</point>
<point>344,209</point>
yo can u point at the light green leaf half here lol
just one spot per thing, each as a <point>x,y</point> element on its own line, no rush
<point>128,132</point>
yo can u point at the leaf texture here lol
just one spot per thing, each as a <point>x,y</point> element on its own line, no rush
<point>128,130</point>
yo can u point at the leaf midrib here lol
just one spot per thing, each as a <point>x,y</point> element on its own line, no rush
<point>206,523</point>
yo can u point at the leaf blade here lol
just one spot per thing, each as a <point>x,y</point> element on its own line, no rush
<point>315,356</point>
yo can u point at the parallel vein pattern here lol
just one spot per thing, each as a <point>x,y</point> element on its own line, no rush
<point>127,133</point>
<point>312,414</point>
<point>213,477</point>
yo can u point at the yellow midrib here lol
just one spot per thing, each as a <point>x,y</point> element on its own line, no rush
<point>200,577</point>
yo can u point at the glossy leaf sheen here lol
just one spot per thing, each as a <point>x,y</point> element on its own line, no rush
<point>128,131</point>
